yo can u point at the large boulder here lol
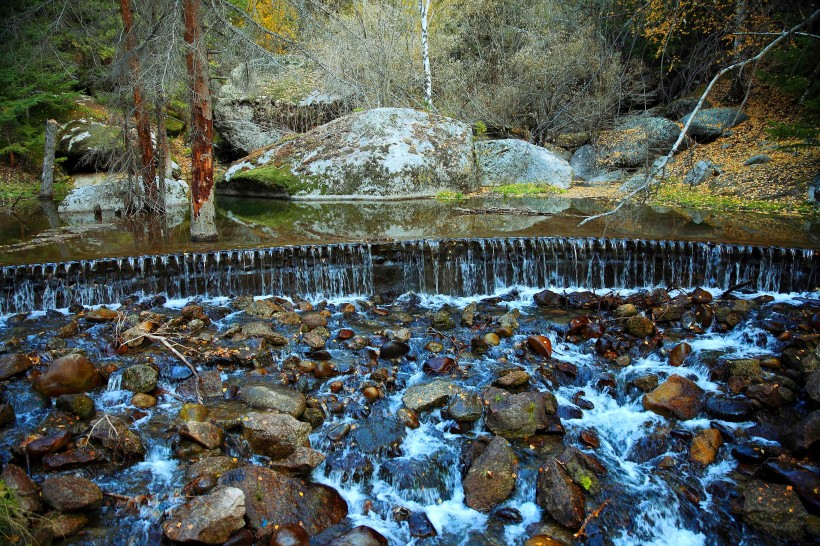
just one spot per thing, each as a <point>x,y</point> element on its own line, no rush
<point>12,364</point>
<point>262,101</point>
<point>209,519</point>
<point>89,145</point>
<point>635,142</point>
<point>676,397</point>
<point>514,161</point>
<point>491,478</point>
<point>115,193</point>
<point>70,493</point>
<point>273,500</point>
<point>775,509</point>
<point>557,494</point>
<point>426,396</point>
<point>383,153</point>
<point>70,374</point>
<point>711,123</point>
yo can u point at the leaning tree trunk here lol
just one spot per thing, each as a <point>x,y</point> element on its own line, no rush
<point>203,225</point>
<point>47,182</point>
<point>140,109</point>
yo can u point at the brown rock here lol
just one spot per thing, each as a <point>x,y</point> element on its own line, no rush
<point>541,345</point>
<point>71,493</point>
<point>274,499</point>
<point>24,488</point>
<point>143,401</point>
<point>13,364</point>
<point>48,444</point>
<point>101,315</point>
<point>677,396</point>
<point>209,519</point>
<point>705,446</point>
<point>313,320</point>
<point>301,461</point>
<point>290,534</point>
<point>491,478</point>
<point>640,326</point>
<point>275,435</point>
<point>679,354</point>
<point>203,433</point>
<point>359,536</point>
<point>81,456</point>
<point>70,374</point>
<point>559,496</point>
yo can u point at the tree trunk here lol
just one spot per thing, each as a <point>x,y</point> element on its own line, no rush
<point>203,225</point>
<point>424,8</point>
<point>163,152</point>
<point>47,182</point>
<point>143,120</point>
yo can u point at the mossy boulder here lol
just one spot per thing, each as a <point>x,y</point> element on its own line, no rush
<point>89,146</point>
<point>384,153</point>
<point>711,123</point>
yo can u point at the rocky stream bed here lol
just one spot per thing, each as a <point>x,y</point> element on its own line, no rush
<point>527,416</point>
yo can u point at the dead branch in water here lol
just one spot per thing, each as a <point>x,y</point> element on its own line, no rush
<point>502,210</point>
<point>592,515</point>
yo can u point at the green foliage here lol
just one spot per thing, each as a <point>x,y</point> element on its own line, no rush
<point>585,482</point>
<point>792,70</point>
<point>527,190</point>
<point>13,518</point>
<point>480,128</point>
<point>449,196</point>
<point>685,196</point>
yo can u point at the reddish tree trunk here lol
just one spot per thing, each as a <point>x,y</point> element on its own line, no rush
<point>203,227</point>
<point>143,120</point>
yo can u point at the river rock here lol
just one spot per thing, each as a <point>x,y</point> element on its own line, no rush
<point>63,525</point>
<point>559,496</point>
<point>115,435</point>
<point>805,435</point>
<point>378,434</point>
<point>393,349</point>
<point>13,364</point>
<point>140,378</point>
<point>103,314</point>
<point>23,487</point>
<point>271,499</point>
<point>679,353</point>
<point>381,153</point>
<point>7,415</point>
<point>71,493</point>
<point>70,374</point>
<point>677,396</point>
<point>276,397</point>
<point>705,445</point>
<point>465,407</point>
<point>51,443</point>
<point>80,405</point>
<point>711,123</point>
<point>640,326</point>
<point>360,536</point>
<point>275,435</point>
<point>774,509</point>
<point>203,433</point>
<point>209,519</point>
<point>518,415</point>
<point>729,409</point>
<point>264,331</point>
<point>81,456</point>
<point>514,161</point>
<point>813,385</point>
<point>425,396</point>
<point>301,461</point>
<point>290,534</point>
<point>491,478</point>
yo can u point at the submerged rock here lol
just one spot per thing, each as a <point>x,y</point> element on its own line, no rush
<point>360,536</point>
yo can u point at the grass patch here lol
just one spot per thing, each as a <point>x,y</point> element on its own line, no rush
<point>450,196</point>
<point>13,518</point>
<point>526,190</point>
<point>686,196</point>
<point>19,189</point>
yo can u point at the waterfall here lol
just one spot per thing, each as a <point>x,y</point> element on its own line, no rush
<point>450,266</point>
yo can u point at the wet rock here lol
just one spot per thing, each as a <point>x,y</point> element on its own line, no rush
<point>729,409</point>
<point>640,326</point>
<point>754,454</point>
<point>262,308</point>
<point>426,396</point>
<point>746,368</point>
<point>393,349</point>
<point>542,540</point>
<point>585,470</point>
<point>491,478</point>
<point>52,443</point>
<point>140,378</point>
<point>115,435</point>
<point>813,385</point>
<point>518,415</point>
<point>705,445</point>
<point>547,298</point>
<point>442,321</point>
<point>371,393</point>
<point>677,396</point>
<point>81,456</point>
<point>208,385</point>
<point>378,434</point>
<point>209,519</point>
<point>71,493</point>
<point>211,466</point>
<point>359,536</point>
<point>559,496</point>
<point>203,433</point>
<point>625,311</point>
<point>102,314</point>
<point>7,415</point>
<point>290,535</point>
<point>143,401</point>
<point>311,321</point>
<point>679,353</point>
<point>512,379</point>
<point>301,461</point>
<point>70,374</point>
<point>770,395</point>
<point>275,435</point>
<point>805,435</point>
<point>287,318</point>
<point>645,383</point>
<point>193,412</point>
<point>275,397</point>
<point>420,526</point>
<point>273,497</point>
<point>589,438</point>
<point>541,345</point>
<point>80,405</point>
<point>465,407</point>
<point>468,314</point>
<point>13,364</point>
<point>408,417</point>
<point>314,340</point>
<point>24,488</point>
<point>774,509</point>
<point>263,330</point>
<point>64,525</point>
<point>439,365</point>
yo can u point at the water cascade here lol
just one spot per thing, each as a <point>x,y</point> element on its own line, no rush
<point>457,267</point>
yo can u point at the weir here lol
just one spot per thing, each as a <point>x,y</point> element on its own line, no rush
<point>450,266</point>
